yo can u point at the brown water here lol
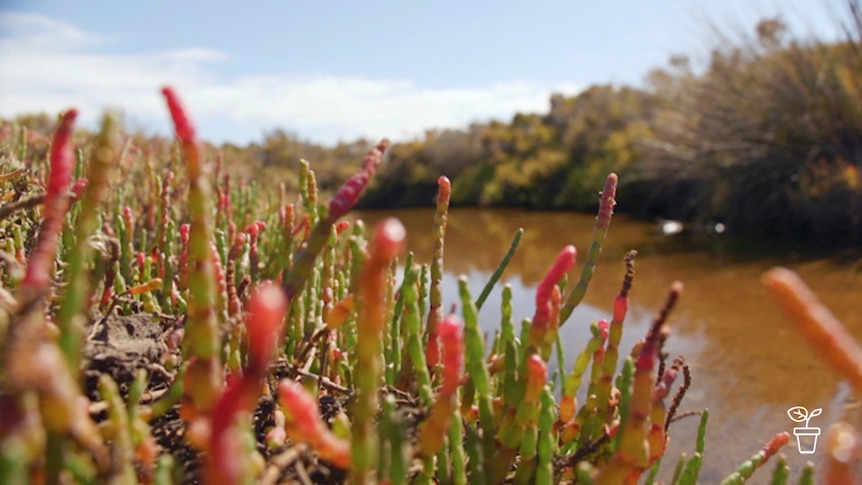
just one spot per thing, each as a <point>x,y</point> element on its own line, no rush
<point>748,363</point>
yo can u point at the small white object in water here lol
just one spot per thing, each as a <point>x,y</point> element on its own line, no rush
<point>671,227</point>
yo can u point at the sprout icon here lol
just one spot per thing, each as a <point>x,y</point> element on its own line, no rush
<point>806,437</point>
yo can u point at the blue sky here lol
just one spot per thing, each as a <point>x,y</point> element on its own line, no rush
<point>332,71</point>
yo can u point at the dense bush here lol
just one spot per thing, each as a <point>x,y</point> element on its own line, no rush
<point>773,124</point>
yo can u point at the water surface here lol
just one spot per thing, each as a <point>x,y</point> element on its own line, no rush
<point>749,365</point>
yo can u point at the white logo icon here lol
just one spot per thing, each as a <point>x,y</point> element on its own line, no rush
<point>806,437</point>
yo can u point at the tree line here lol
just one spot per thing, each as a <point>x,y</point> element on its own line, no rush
<point>766,139</point>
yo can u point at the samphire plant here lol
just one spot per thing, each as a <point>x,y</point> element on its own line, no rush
<point>160,323</point>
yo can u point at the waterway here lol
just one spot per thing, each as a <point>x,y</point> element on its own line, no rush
<point>749,365</point>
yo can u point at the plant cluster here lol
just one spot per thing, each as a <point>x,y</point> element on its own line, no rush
<point>161,324</point>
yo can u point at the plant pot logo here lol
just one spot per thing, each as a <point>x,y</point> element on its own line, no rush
<point>806,436</point>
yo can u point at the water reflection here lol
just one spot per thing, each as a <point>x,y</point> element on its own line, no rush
<point>749,365</point>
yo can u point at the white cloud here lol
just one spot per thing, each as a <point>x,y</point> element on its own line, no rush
<point>47,65</point>
<point>46,32</point>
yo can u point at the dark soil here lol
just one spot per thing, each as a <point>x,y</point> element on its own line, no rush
<point>122,345</point>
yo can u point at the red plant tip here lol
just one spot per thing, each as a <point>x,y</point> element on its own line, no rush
<point>79,187</point>
<point>445,191</point>
<point>347,195</point>
<point>568,406</point>
<point>565,261</point>
<point>663,387</point>
<point>254,229</point>
<point>238,244</point>
<point>604,329</point>
<point>301,407</point>
<point>62,156</point>
<point>537,368</point>
<point>389,237</point>
<point>432,350</point>
<point>40,267</point>
<point>341,226</point>
<point>127,213</point>
<point>621,307</point>
<point>375,156</point>
<point>276,436</point>
<point>607,202</point>
<point>184,233</point>
<point>451,332</point>
<point>183,125</point>
<point>775,444</point>
<point>537,374</point>
<point>303,423</point>
<point>646,357</point>
<point>268,306</point>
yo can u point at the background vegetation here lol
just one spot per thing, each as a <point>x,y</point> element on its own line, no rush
<point>770,122</point>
